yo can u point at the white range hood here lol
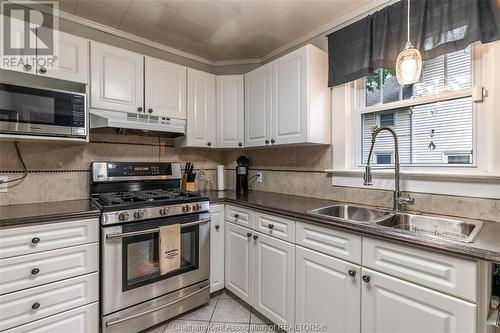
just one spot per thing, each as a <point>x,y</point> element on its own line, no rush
<point>136,123</point>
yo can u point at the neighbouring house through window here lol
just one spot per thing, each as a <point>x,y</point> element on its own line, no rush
<point>427,132</point>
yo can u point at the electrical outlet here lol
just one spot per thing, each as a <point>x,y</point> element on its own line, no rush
<point>259,177</point>
<point>3,186</point>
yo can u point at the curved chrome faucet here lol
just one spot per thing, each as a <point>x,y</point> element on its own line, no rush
<point>367,177</point>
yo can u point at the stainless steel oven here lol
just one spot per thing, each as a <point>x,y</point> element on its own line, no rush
<point>134,294</point>
<point>31,111</point>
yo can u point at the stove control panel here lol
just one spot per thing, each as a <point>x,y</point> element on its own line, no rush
<point>123,171</point>
<point>146,213</point>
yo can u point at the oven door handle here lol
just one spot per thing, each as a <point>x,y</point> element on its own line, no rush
<point>114,322</point>
<point>151,231</point>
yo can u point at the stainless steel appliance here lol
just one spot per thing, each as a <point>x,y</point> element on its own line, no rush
<point>135,200</point>
<point>32,111</point>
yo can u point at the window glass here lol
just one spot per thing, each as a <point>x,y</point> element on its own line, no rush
<point>384,158</point>
<point>386,119</point>
<point>426,133</point>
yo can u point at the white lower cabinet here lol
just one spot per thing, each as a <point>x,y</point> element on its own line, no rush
<point>326,293</point>
<point>216,248</point>
<point>274,278</point>
<point>393,305</point>
<point>239,261</point>
<point>80,320</point>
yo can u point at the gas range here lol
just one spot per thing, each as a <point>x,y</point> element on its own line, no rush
<point>135,191</point>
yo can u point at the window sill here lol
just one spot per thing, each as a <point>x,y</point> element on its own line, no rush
<point>483,185</point>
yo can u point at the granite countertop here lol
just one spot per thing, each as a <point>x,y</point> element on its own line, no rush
<point>16,215</point>
<point>485,247</point>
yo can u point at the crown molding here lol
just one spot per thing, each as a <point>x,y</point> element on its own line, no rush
<point>324,30</point>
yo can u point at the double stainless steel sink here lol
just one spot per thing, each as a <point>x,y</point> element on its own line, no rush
<point>433,226</point>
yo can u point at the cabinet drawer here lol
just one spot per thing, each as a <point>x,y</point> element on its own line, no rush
<point>35,269</point>
<point>275,226</point>
<point>447,274</point>
<point>239,215</point>
<point>17,241</point>
<point>333,242</point>
<point>32,304</point>
<point>84,319</point>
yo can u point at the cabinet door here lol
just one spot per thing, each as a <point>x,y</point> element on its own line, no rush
<point>258,107</point>
<point>290,98</point>
<point>72,59</point>
<point>239,261</point>
<point>230,115</point>
<point>326,293</point>
<point>22,60</point>
<point>393,305</point>
<point>200,109</point>
<point>217,248</point>
<point>165,88</point>
<point>274,279</point>
<point>117,79</point>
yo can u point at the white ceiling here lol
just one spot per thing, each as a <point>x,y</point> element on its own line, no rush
<point>215,29</point>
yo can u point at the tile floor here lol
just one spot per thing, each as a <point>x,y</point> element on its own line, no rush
<point>224,313</point>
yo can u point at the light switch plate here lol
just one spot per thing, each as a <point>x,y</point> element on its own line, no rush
<point>3,186</point>
<point>259,177</point>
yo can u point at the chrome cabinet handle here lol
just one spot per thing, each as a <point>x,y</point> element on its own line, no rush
<point>152,231</point>
<point>150,110</point>
<point>139,109</point>
<point>113,322</point>
<point>240,144</point>
<point>35,271</point>
<point>249,235</point>
<point>366,278</point>
<point>35,240</point>
<point>35,306</point>
<point>352,273</point>
<point>236,216</point>
<point>43,70</point>
<point>273,141</point>
<point>217,227</point>
<point>267,142</point>
<point>271,226</point>
<point>255,237</point>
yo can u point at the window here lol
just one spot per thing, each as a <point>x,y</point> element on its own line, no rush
<point>386,119</point>
<point>429,123</point>
<point>383,158</point>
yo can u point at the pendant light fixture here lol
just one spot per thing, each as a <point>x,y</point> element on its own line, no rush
<point>409,61</point>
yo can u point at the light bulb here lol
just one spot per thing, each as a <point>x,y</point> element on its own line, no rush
<point>408,65</point>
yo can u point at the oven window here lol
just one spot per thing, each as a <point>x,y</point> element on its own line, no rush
<point>140,258</point>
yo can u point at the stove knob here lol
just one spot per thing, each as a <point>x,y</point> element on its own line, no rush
<point>139,214</point>
<point>164,210</point>
<point>123,216</point>
<point>196,207</point>
<point>186,208</point>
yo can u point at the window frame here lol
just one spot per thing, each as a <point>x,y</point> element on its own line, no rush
<point>358,102</point>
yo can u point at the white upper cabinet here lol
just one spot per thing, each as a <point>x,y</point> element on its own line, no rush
<point>17,41</point>
<point>165,88</point>
<point>230,114</point>
<point>117,80</point>
<point>258,108</point>
<point>72,59</point>
<point>201,118</point>
<point>288,100</point>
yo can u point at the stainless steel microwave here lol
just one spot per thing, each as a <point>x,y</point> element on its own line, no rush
<point>44,112</point>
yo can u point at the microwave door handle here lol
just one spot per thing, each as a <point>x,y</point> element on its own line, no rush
<point>152,231</point>
<point>114,322</point>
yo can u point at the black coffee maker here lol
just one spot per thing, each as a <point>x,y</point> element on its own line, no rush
<point>242,176</point>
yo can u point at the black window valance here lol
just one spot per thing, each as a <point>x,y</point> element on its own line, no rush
<point>437,27</point>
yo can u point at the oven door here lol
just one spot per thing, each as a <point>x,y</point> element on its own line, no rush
<point>26,110</point>
<point>130,264</point>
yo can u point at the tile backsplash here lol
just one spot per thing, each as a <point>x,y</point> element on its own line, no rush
<point>60,171</point>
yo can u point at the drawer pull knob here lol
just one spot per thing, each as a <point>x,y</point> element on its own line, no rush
<point>271,226</point>
<point>366,278</point>
<point>255,237</point>
<point>249,235</point>
<point>352,273</point>
<point>35,271</point>
<point>35,240</point>
<point>217,227</point>
<point>236,216</point>
<point>35,306</point>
